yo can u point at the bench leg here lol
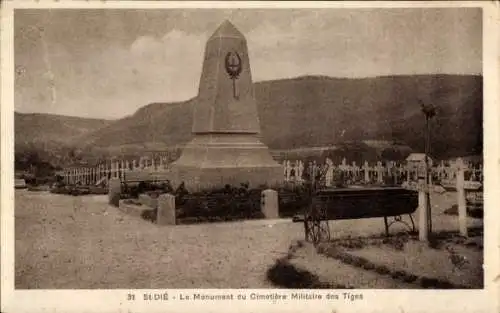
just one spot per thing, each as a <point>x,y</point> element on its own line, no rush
<point>414,229</point>
<point>306,230</point>
<point>386,226</point>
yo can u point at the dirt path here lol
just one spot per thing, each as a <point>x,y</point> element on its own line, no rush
<point>81,242</point>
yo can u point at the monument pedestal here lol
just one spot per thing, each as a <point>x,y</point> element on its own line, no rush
<point>214,160</point>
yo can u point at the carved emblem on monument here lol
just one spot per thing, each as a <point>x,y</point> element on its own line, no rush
<point>233,68</point>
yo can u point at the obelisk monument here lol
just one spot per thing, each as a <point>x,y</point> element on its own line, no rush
<point>226,148</point>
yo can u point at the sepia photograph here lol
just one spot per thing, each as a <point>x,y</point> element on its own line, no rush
<point>283,149</point>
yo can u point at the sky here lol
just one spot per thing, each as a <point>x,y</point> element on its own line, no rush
<point>109,63</point>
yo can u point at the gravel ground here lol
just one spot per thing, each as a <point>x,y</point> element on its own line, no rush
<point>81,242</point>
<point>66,242</point>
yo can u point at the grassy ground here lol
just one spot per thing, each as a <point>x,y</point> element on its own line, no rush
<point>329,270</point>
<point>419,260</point>
<point>81,242</point>
<point>411,256</point>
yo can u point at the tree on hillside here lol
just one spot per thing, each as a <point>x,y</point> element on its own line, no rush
<point>26,160</point>
<point>393,154</point>
<point>355,151</point>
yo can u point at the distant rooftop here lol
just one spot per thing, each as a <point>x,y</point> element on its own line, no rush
<point>417,157</point>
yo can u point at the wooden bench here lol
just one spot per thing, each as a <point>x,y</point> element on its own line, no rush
<point>357,203</point>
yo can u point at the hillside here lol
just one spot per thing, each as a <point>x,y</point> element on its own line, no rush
<point>46,129</point>
<point>315,110</point>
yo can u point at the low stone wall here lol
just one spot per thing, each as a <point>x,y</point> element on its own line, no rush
<point>148,200</point>
<point>148,175</point>
<point>168,209</point>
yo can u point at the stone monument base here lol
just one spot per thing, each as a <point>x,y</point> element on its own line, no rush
<point>214,160</point>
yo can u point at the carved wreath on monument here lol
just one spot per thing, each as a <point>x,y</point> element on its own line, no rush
<point>233,64</point>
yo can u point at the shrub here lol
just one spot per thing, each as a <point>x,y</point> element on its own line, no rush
<point>369,266</point>
<point>427,282</point>
<point>221,204</point>
<point>397,274</point>
<point>149,215</point>
<point>284,274</point>
<point>409,278</point>
<point>382,269</point>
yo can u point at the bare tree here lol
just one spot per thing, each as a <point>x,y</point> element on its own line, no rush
<point>429,111</point>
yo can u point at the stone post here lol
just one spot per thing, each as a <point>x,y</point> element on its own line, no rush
<point>166,210</point>
<point>462,204</point>
<point>423,210</point>
<point>269,204</point>
<point>114,192</point>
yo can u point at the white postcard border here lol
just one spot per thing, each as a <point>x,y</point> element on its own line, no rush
<point>374,300</point>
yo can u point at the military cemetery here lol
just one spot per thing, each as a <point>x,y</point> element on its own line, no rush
<point>228,211</point>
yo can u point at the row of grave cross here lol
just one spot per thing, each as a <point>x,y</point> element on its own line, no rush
<point>103,171</point>
<point>294,171</point>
